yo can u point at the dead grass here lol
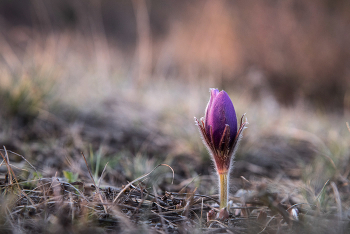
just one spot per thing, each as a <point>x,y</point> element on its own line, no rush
<point>52,205</point>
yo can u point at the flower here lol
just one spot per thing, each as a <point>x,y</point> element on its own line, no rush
<point>219,129</point>
<point>220,126</point>
<point>221,136</point>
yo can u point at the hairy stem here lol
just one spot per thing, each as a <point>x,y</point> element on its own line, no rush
<point>223,180</point>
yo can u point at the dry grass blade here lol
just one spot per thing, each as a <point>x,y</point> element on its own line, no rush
<point>104,169</point>
<point>216,221</point>
<point>77,190</point>
<point>337,199</point>
<point>159,210</point>
<point>267,224</point>
<point>201,214</point>
<point>7,161</point>
<point>97,188</point>
<point>322,190</point>
<point>187,184</point>
<point>22,158</point>
<point>11,172</point>
<point>140,178</point>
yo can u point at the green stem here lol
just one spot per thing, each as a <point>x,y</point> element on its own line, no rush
<point>223,190</point>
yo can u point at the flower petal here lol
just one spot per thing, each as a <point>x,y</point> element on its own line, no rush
<point>220,111</point>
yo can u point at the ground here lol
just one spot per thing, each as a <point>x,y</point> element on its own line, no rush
<point>125,165</point>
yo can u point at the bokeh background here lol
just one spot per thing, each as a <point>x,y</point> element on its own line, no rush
<point>291,49</point>
<point>122,81</point>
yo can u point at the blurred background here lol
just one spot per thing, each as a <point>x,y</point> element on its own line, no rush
<point>291,49</point>
<point>122,81</point>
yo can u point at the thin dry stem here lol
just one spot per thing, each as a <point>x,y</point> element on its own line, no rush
<point>97,188</point>
<point>140,178</point>
<point>337,199</point>
<point>160,211</point>
<point>10,171</point>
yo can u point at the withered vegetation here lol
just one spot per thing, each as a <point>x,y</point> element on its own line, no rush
<point>31,203</point>
<point>52,205</point>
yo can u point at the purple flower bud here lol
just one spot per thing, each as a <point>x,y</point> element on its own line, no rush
<point>221,136</point>
<point>219,129</point>
<point>220,113</point>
